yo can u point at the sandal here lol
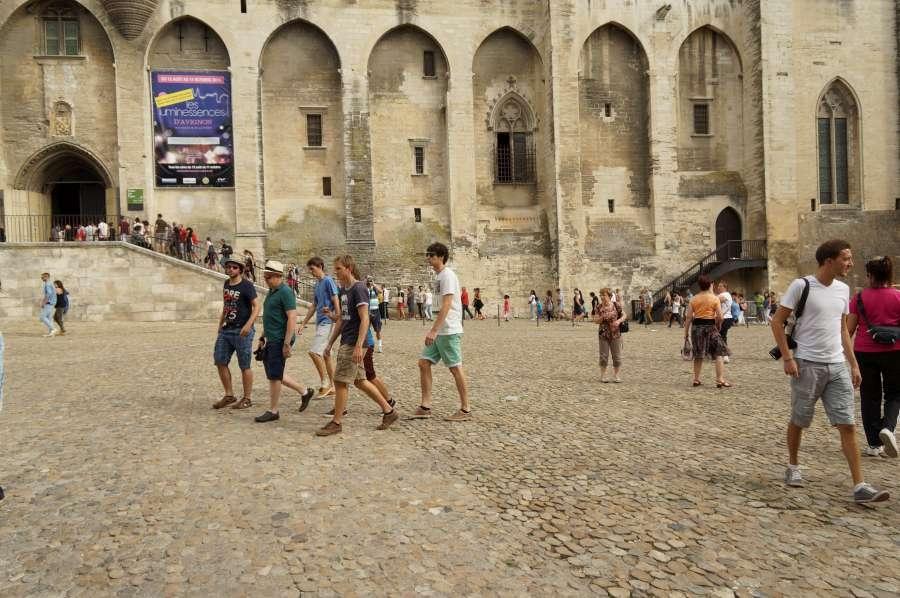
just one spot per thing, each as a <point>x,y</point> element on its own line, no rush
<point>697,383</point>
<point>224,402</point>
<point>723,384</point>
<point>244,403</point>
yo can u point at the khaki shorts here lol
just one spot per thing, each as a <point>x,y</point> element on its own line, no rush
<point>346,371</point>
<point>829,382</point>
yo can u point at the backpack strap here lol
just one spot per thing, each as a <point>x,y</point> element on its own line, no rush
<point>801,305</point>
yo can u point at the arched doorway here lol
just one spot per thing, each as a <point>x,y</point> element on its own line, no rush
<point>62,184</point>
<point>728,228</point>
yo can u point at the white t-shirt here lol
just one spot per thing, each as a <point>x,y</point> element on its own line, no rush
<point>818,332</point>
<point>446,283</point>
<point>386,294</point>
<point>428,298</point>
<point>726,301</point>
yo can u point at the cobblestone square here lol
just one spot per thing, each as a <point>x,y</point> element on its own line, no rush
<point>122,481</point>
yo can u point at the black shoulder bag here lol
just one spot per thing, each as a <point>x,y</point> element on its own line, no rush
<point>623,327</point>
<point>883,335</point>
<point>775,352</point>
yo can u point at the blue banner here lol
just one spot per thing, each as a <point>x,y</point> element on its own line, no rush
<point>192,128</point>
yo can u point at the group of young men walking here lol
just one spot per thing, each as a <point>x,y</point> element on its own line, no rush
<point>344,311</point>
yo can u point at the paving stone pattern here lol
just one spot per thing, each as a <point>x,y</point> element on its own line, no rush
<point>121,481</point>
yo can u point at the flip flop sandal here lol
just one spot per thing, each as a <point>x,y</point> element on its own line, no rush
<point>697,383</point>
<point>244,403</point>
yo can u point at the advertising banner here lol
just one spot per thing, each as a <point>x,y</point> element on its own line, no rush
<point>192,130</point>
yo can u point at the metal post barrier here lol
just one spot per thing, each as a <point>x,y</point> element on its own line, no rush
<point>498,316</point>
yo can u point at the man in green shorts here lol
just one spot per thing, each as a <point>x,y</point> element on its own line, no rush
<point>444,340</point>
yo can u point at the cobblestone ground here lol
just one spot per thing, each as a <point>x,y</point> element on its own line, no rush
<point>122,481</point>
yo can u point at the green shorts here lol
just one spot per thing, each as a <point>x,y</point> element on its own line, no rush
<point>446,347</point>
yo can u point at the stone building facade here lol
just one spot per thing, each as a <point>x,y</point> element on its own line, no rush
<point>551,143</point>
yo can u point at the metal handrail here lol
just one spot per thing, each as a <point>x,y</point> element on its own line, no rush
<point>747,249</point>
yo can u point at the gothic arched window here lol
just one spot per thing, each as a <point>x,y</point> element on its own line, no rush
<point>513,125</point>
<point>837,132</point>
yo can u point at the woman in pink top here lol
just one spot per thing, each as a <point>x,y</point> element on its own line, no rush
<point>878,363</point>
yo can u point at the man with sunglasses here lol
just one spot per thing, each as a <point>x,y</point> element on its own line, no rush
<point>240,308</point>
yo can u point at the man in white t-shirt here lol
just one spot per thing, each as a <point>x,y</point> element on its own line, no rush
<point>444,338</point>
<point>725,301</point>
<point>816,366</point>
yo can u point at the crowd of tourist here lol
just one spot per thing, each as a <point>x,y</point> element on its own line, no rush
<point>829,341</point>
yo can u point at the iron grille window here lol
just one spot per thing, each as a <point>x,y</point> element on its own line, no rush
<point>701,119</point>
<point>428,67</point>
<point>514,159</point>
<point>825,161</point>
<point>326,186</point>
<point>314,130</point>
<point>61,37</point>
<point>419,154</point>
<point>841,186</point>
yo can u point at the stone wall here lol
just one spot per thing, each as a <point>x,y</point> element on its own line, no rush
<point>870,234</point>
<point>108,281</point>
<point>762,66</point>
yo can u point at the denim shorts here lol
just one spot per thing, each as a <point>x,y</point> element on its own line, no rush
<point>828,381</point>
<point>229,342</point>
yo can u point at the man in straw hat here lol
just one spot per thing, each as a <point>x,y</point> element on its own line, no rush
<point>279,323</point>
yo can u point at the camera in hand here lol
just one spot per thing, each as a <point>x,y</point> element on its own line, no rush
<point>776,352</point>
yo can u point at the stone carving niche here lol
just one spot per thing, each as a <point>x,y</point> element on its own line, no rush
<point>61,121</point>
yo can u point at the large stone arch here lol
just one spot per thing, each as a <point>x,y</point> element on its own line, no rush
<point>302,119</point>
<point>408,76</point>
<point>614,121</point>
<point>710,90</point>
<point>508,65</point>
<point>167,51</point>
<point>33,173</point>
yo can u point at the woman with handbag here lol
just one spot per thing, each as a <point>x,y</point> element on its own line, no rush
<point>875,318</point>
<point>701,324</point>
<point>609,317</point>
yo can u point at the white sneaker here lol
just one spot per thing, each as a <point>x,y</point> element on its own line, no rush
<point>873,451</point>
<point>889,441</point>
<point>726,359</point>
<point>380,348</point>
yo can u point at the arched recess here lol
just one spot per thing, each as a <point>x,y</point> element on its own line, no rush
<point>710,98</point>
<point>68,182</point>
<point>509,79</point>
<point>303,140</point>
<point>408,75</point>
<point>838,145</point>
<point>614,115</point>
<point>57,89</point>
<point>188,44</point>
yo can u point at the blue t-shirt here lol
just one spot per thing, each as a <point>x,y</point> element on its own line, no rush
<point>351,300</point>
<point>735,310</point>
<point>49,293</point>
<point>325,290</point>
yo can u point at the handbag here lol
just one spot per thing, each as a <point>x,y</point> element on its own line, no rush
<point>883,335</point>
<point>623,327</point>
<point>687,351</point>
<point>775,352</point>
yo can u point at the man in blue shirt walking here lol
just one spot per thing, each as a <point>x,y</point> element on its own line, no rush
<point>48,304</point>
<point>325,298</point>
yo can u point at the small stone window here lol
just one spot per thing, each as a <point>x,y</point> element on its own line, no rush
<point>314,130</point>
<point>61,32</point>
<point>417,214</point>
<point>701,119</point>
<point>326,186</point>
<point>607,110</point>
<point>428,64</point>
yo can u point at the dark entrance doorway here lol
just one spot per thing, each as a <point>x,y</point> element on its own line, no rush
<point>77,194</point>
<point>728,228</point>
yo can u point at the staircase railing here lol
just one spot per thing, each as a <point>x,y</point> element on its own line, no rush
<point>745,250</point>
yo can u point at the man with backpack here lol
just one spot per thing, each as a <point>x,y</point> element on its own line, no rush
<point>815,361</point>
